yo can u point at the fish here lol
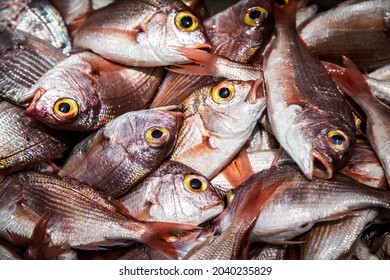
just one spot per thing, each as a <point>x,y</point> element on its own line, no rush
<point>356,29</point>
<point>174,192</point>
<point>8,251</point>
<point>85,92</point>
<point>234,225</point>
<point>308,113</point>
<point>25,142</point>
<point>223,29</point>
<point>337,239</point>
<point>74,13</point>
<point>211,135</point>
<point>379,83</point>
<point>271,252</point>
<point>79,217</point>
<point>141,33</point>
<point>365,167</point>
<point>124,151</point>
<point>24,59</point>
<point>309,202</point>
<point>352,82</point>
<point>38,18</point>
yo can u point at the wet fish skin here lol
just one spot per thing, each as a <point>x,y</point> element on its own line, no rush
<point>233,41</point>
<point>120,154</point>
<point>304,105</point>
<point>234,225</point>
<point>309,202</point>
<point>352,82</point>
<point>365,167</point>
<point>79,216</point>
<point>38,18</point>
<point>208,134</point>
<point>25,142</point>
<point>24,59</point>
<point>136,27</point>
<point>102,91</point>
<point>337,239</point>
<point>165,196</point>
<point>356,29</point>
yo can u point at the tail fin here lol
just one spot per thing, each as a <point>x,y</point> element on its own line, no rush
<point>161,235</point>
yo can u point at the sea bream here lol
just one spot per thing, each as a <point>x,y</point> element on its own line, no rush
<point>309,116</point>
<point>141,33</point>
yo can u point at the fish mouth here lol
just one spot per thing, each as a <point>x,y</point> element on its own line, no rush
<point>321,168</point>
<point>38,94</point>
<point>255,93</point>
<point>217,203</point>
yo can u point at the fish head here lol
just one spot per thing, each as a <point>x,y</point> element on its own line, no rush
<point>231,108</point>
<point>321,145</point>
<point>239,31</point>
<point>180,194</point>
<point>67,99</point>
<point>175,26</point>
<point>147,136</point>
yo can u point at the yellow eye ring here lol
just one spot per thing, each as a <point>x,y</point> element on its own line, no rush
<point>186,21</point>
<point>223,92</point>
<point>66,109</point>
<point>281,3</point>
<point>195,183</point>
<point>253,16</point>
<point>157,136</point>
<point>338,140</point>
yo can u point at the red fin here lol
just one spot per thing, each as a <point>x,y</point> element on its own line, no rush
<point>350,80</point>
<point>75,25</point>
<point>18,240</point>
<point>239,170</point>
<point>206,59</point>
<point>40,245</point>
<point>160,235</point>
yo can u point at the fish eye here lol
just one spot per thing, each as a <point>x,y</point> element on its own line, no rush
<point>66,109</point>
<point>157,136</point>
<point>338,140</point>
<point>195,183</point>
<point>223,92</point>
<point>253,15</point>
<point>281,3</point>
<point>186,21</point>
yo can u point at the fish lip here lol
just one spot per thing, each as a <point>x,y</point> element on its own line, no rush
<point>38,94</point>
<point>255,92</point>
<point>321,168</point>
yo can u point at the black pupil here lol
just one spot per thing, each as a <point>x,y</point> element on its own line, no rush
<point>255,14</point>
<point>224,92</point>
<point>157,134</point>
<point>64,108</point>
<point>186,22</point>
<point>363,127</point>
<point>196,184</point>
<point>280,2</point>
<point>337,140</point>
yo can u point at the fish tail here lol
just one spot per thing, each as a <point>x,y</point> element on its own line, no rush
<point>160,236</point>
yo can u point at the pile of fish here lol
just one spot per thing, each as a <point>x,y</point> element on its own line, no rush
<point>163,130</point>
